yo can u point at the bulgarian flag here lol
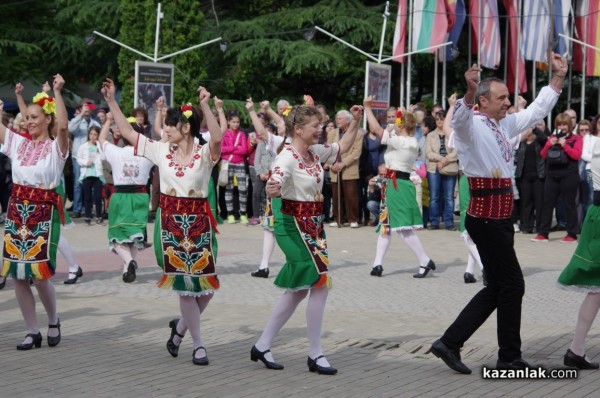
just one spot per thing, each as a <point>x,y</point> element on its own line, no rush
<point>399,42</point>
<point>430,24</point>
<point>587,10</point>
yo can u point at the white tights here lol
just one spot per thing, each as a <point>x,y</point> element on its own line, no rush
<point>26,303</point>
<point>412,241</point>
<point>585,319</point>
<point>65,249</point>
<point>268,246</point>
<point>191,308</point>
<point>127,252</point>
<point>473,255</point>
<point>285,308</point>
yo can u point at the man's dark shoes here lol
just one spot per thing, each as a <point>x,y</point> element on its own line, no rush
<point>517,364</point>
<point>580,362</point>
<point>377,270</point>
<point>449,356</point>
<point>433,227</point>
<point>260,273</point>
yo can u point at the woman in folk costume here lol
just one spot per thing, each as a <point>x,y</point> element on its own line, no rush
<point>128,208</point>
<point>399,207</point>
<point>185,227</point>
<point>297,176</point>
<point>583,271</point>
<point>35,210</point>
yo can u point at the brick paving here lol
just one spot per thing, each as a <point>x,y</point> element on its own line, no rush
<point>376,332</point>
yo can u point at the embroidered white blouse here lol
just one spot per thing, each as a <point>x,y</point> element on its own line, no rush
<point>35,164</point>
<point>301,181</point>
<point>189,180</point>
<point>401,153</point>
<point>127,169</point>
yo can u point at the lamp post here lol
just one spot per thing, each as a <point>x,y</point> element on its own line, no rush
<point>155,58</point>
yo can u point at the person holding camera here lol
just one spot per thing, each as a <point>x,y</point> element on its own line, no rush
<point>374,193</point>
<point>562,152</point>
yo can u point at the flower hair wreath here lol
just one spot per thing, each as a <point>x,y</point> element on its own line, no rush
<point>399,119</point>
<point>186,111</point>
<point>46,102</point>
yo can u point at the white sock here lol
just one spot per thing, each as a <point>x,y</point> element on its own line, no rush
<point>283,310</point>
<point>124,251</point>
<point>383,242</point>
<point>314,323</point>
<point>414,244</point>
<point>65,249</point>
<point>268,246</point>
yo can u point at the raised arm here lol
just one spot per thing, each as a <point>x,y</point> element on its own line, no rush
<point>216,133</point>
<point>108,91</point>
<point>347,140</point>
<point>261,131</point>
<point>447,128</point>
<point>159,118</point>
<point>371,119</point>
<point>20,100</point>
<point>3,128</point>
<point>221,114</point>
<point>62,121</point>
<point>105,130</point>
<point>272,115</point>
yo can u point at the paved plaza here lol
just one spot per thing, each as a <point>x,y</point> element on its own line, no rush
<point>377,330</point>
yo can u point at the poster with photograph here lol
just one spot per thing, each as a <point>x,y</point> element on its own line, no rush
<point>153,80</point>
<point>378,82</point>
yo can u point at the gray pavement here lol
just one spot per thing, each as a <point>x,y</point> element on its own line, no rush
<point>376,331</point>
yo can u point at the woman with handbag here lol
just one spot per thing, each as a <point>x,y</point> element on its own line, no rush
<point>562,152</point>
<point>233,157</point>
<point>442,171</point>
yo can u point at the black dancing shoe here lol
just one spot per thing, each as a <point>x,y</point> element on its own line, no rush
<point>129,276</point>
<point>36,340</point>
<point>171,346</point>
<point>469,278</point>
<point>260,273</point>
<point>53,341</point>
<point>3,283</point>
<point>322,370</point>
<point>450,357</point>
<point>580,362</point>
<point>200,361</point>
<point>72,281</point>
<point>377,270</point>
<point>423,275</point>
<point>255,355</point>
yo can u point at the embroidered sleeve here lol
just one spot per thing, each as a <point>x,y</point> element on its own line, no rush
<point>327,153</point>
<point>11,140</point>
<point>147,148</point>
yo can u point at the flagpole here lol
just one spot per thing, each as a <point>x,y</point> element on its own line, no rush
<point>435,76</point>
<point>401,84</point>
<point>506,47</point>
<point>584,61</point>
<point>569,94</point>
<point>518,52</point>
<point>444,80</point>
<point>409,66</point>
<point>479,29</point>
<point>386,14</point>
<point>469,43</point>
<point>549,53</point>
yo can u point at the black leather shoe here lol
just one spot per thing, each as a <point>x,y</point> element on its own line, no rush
<point>260,273</point>
<point>377,270</point>
<point>450,357</point>
<point>469,278</point>
<point>129,276</point>
<point>171,347</point>
<point>431,265</point>
<point>485,282</point>
<point>200,361</point>
<point>517,364</point>
<point>255,355</point>
<point>53,341</point>
<point>322,370</point>
<point>580,362</point>
<point>3,283</point>
<point>72,281</point>
<point>36,340</point>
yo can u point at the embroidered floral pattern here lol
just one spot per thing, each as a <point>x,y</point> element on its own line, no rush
<point>503,144</point>
<point>29,154</point>
<point>180,170</point>
<point>314,170</point>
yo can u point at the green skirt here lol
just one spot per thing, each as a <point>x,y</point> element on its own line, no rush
<point>272,211</point>
<point>583,271</point>
<point>60,189</point>
<point>128,218</point>
<point>306,258</point>
<point>399,208</point>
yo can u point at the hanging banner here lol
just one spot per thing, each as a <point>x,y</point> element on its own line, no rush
<point>378,82</point>
<point>152,81</point>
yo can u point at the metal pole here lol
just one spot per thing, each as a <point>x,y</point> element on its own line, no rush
<point>386,14</point>
<point>549,52</point>
<point>409,66</point>
<point>417,51</point>
<point>123,45</point>
<point>506,36</point>
<point>435,77</point>
<point>159,15</point>
<point>402,70</point>
<point>569,94</point>
<point>189,49</point>
<point>479,29</point>
<point>347,44</point>
<point>534,79</point>
<point>518,51</point>
<point>584,61</point>
<point>444,80</point>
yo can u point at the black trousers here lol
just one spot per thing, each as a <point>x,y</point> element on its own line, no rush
<point>566,185</point>
<point>92,192</point>
<point>495,242</point>
<point>531,192</point>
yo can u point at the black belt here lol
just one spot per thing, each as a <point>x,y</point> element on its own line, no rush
<point>130,189</point>
<point>401,175</point>
<point>491,191</point>
<point>596,198</point>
